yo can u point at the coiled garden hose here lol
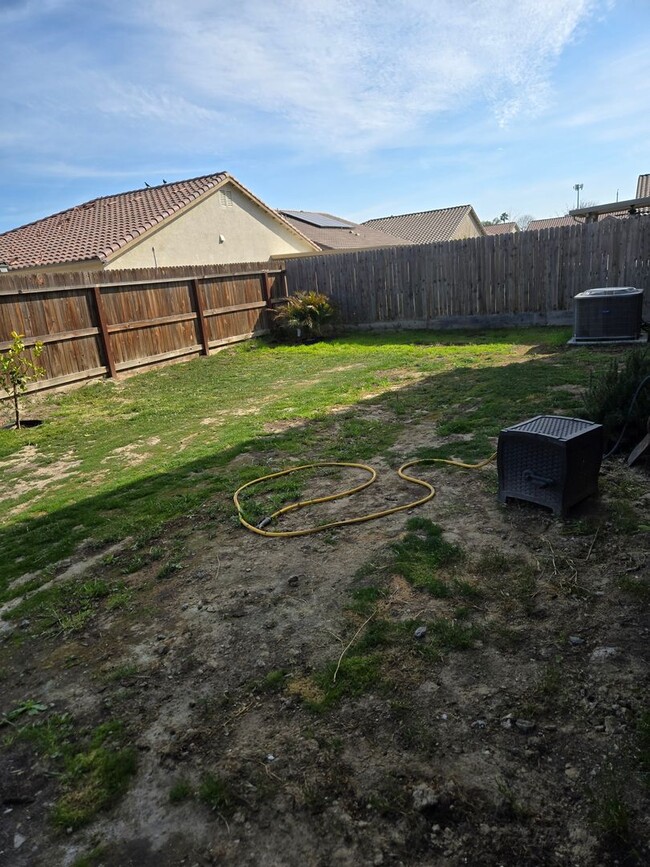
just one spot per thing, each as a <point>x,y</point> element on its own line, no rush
<point>292,507</point>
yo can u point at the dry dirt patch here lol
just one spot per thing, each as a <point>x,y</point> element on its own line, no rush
<point>14,486</point>
<point>502,753</point>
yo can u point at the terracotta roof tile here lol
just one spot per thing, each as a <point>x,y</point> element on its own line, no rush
<point>557,222</point>
<point>95,229</point>
<point>552,223</point>
<point>501,229</point>
<point>426,227</point>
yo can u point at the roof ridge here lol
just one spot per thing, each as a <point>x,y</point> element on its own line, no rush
<point>419,213</point>
<point>145,189</point>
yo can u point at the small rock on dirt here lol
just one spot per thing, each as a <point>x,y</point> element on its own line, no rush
<point>525,725</point>
<point>423,797</point>
<point>602,654</point>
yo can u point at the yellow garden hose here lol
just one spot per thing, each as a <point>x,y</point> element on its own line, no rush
<point>347,493</point>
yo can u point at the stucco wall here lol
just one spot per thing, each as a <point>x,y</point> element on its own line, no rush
<point>192,238</point>
<point>466,229</point>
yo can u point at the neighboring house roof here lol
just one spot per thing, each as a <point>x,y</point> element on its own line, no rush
<point>334,233</point>
<point>427,226</point>
<point>552,223</point>
<point>643,187</point>
<point>98,229</point>
<point>501,228</point>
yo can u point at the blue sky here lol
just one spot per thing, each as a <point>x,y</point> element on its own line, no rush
<point>362,108</point>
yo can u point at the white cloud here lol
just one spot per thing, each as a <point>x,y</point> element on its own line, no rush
<point>150,104</point>
<point>124,83</point>
<point>352,75</point>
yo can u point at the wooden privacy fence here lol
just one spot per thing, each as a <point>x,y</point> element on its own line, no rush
<point>104,323</point>
<point>110,327</point>
<point>527,277</point>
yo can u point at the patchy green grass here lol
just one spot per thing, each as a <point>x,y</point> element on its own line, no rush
<point>377,638</point>
<point>357,673</point>
<point>218,794</point>
<point>91,859</point>
<point>180,791</point>
<point>94,767</point>
<point>67,607</point>
<point>421,554</point>
<point>131,455</point>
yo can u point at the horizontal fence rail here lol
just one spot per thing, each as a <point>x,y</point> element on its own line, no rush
<point>98,324</point>
<point>526,277</point>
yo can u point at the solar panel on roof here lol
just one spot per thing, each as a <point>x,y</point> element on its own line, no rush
<point>323,221</point>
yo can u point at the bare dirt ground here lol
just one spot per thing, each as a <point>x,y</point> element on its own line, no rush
<point>521,749</point>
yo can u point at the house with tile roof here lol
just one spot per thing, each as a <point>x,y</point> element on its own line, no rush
<point>202,221</point>
<point>427,227</point>
<point>551,223</point>
<point>501,228</point>
<point>593,213</point>
<point>335,233</point>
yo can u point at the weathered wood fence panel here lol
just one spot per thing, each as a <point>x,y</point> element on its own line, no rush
<point>96,324</point>
<point>523,277</point>
<point>103,323</point>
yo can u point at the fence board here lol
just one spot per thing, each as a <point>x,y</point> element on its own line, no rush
<point>527,276</point>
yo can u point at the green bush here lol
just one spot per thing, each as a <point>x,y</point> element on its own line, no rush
<point>305,316</point>
<point>608,399</point>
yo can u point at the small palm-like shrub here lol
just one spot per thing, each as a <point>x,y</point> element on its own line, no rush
<point>306,315</point>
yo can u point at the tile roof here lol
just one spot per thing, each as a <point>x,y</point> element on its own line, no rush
<point>426,227</point>
<point>643,187</point>
<point>552,223</point>
<point>501,228</point>
<point>98,228</point>
<point>347,236</point>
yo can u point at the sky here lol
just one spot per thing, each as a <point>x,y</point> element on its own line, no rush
<point>360,108</point>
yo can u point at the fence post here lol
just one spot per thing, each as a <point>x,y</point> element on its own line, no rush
<point>266,289</point>
<point>103,332</point>
<point>200,316</point>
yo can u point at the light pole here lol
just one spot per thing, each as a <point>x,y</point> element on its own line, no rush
<point>577,188</point>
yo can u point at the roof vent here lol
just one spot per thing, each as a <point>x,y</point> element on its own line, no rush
<point>608,315</point>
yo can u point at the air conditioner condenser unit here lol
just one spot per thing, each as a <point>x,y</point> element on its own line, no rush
<point>608,315</point>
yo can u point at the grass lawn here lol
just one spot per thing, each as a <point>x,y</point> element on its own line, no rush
<point>119,459</point>
<point>462,683</point>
